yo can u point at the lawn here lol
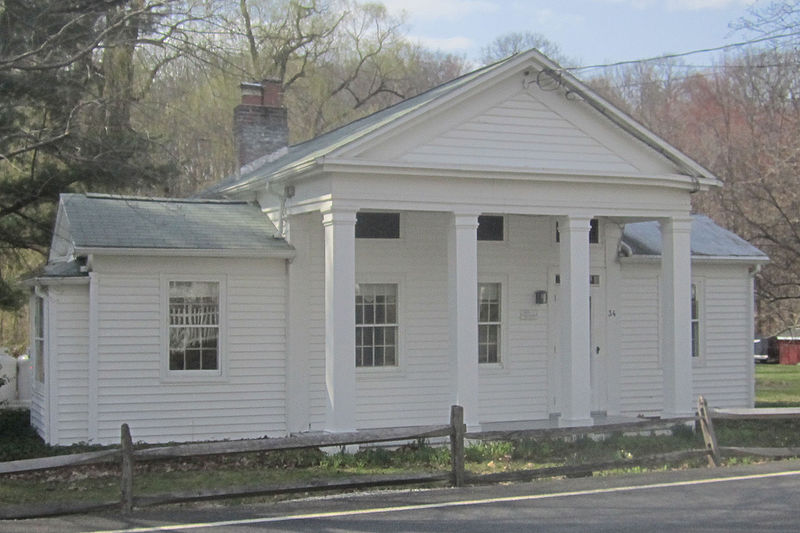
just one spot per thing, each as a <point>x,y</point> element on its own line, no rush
<point>777,386</point>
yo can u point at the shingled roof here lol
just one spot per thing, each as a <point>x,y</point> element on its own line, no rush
<point>93,222</point>
<point>707,240</point>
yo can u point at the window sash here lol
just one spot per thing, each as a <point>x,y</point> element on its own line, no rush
<point>695,322</point>
<point>376,324</point>
<point>193,325</point>
<point>489,322</point>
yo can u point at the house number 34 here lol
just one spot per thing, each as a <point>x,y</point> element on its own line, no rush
<point>612,313</point>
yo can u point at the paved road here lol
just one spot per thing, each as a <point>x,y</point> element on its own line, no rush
<point>751,498</point>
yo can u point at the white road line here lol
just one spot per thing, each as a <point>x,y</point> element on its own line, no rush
<point>461,503</point>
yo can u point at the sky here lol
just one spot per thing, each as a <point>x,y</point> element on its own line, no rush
<point>587,31</point>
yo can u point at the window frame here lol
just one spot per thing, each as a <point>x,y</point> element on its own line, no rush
<point>400,359</point>
<point>502,354</point>
<point>220,373</point>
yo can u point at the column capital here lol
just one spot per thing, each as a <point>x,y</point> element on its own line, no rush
<point>338,215</point>
<point>574,222</point>
<point>676,224</point>
<point>465,219</point>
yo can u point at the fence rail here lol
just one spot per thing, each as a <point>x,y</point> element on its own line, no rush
<point>127,456</point>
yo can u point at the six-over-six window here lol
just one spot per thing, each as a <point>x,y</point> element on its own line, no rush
<point>194,325</point>
<point>489,322</point>
<point>376,324</point>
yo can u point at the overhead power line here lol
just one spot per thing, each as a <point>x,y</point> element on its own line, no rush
<point>684,54</point>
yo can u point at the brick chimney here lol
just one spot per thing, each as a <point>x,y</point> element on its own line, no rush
<point>260,125</point>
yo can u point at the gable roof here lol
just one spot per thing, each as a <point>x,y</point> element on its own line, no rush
<point>95,223</point>
<point>310,153</point>
<point>707,240</point>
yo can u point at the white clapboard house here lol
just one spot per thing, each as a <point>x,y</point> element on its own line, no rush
<point>508,241</point>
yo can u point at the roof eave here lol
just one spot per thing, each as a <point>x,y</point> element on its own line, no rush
<point>743,259</point>
<point>680,181</point>
<point>283,253</point>
<point>55,280</point>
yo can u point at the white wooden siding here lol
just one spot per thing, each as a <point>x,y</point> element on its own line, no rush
<point>520,132</point>
<point>721,373</point>
<point>316,328</point>
<point>72,330</point>
<point>517,388</point>
<point>247,401</point>
<point>418,390</point>
<point>640,380</point>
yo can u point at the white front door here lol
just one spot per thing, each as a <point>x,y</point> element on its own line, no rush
<point>597,342</point>
<point>597,331</point>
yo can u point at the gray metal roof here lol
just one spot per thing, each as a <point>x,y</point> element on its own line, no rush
<point>327,142</point>
<point>102,221</point>
<point>707,240</point>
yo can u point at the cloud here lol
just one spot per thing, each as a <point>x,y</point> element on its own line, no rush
<point>445,44</point>
<point>440,9</point>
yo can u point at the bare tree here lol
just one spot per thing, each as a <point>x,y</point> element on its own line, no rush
<point>516,42</point>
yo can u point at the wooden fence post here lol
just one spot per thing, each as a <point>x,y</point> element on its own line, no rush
<point>707,427</point>
<point>126,484</point>
<point>457,430</point>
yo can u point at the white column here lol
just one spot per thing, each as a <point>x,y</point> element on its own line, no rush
<point>676,313</point>
<point>340,319</point>
<point>462,261</point>
<point>576,393</point>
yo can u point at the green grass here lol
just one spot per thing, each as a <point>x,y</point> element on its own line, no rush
<point>777,386</point>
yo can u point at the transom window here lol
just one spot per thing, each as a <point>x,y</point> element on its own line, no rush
<point>194,325</point>
<point>38,337</point>
<point>695,323</point>
<point>490,228</point>
<point>377,225</point>
<point>489,322</point>
<point>376,324</point>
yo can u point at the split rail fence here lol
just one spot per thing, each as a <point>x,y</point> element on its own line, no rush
<point>127,456</point>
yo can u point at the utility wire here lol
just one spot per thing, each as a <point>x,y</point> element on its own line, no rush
<point>684,54</point>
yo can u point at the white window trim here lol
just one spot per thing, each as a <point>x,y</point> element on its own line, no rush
<point>504,357</point>
<point>194,376</point>
<point>402,359</point>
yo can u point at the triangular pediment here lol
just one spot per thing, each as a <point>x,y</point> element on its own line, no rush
<point>521,132</point>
